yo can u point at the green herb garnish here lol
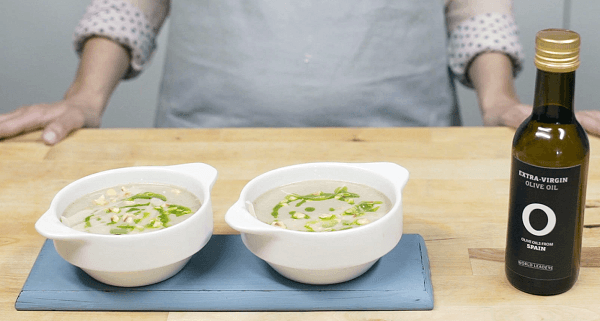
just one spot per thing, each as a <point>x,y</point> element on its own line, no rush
<point>136,205</point>
<point>87,221</point>
<point>329,223</point>
<point>163,217</point>
<point>362,208</point>
<point>178,210</point>
<point>119,231</point>
<point>308,227</point>
<point>327,217</point>
<point>340,193</point>
<point>147,195</point>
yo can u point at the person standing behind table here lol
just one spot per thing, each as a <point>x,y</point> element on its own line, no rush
<point>306,63</point>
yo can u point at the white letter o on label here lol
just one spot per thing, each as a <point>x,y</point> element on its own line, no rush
<point>549,213</point>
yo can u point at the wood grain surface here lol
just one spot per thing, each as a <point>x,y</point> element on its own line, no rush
<point>456,198</point>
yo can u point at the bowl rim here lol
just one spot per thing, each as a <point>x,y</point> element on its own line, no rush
<point>368,167</point>
<point>52,215</point>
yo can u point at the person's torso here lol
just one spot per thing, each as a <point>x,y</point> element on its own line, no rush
<point>233,63</point>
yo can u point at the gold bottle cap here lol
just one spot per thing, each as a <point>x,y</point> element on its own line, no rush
<point>557,50</point>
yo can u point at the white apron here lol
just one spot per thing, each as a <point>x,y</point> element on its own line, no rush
<point>260,63</point>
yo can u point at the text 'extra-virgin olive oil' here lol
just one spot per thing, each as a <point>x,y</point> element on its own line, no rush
<point>548,179</point>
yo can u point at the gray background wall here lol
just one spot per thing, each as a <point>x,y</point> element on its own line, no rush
<point>37,62</point>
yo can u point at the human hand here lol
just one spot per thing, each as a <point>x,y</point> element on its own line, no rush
<point>506,111</point>
<point>56,119</point>
<point>512,113</point>
<point>590,120</point>
<point>103,64</point>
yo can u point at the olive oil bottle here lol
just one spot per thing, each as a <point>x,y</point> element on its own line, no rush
<point>548,179</point>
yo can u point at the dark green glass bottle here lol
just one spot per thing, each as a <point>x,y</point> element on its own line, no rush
<point>549,169</point>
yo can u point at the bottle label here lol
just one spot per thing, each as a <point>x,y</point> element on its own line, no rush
<point>542,220</point>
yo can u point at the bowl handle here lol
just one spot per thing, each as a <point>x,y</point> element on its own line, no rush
<point>49,226</point>
<point>240,219</point>
<point>395,172</point>
<point>205,173</point>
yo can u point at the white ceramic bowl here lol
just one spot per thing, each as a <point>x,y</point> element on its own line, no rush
<point>138,259</point>
<point>322,257</point>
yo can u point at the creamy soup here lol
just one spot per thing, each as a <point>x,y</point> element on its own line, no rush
<point>131,209</point>
<point>321,206</point>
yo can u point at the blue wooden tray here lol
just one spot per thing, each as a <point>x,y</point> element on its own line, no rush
<point>225,276</point>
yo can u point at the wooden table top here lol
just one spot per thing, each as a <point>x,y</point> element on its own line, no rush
<point>456,198</point>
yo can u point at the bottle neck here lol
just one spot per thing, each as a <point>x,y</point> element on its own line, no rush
<point>554,94</point>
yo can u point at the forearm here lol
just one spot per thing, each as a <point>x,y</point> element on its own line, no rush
<point>134,24</point>
<point>103,63</point>
<point>491,74</point>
